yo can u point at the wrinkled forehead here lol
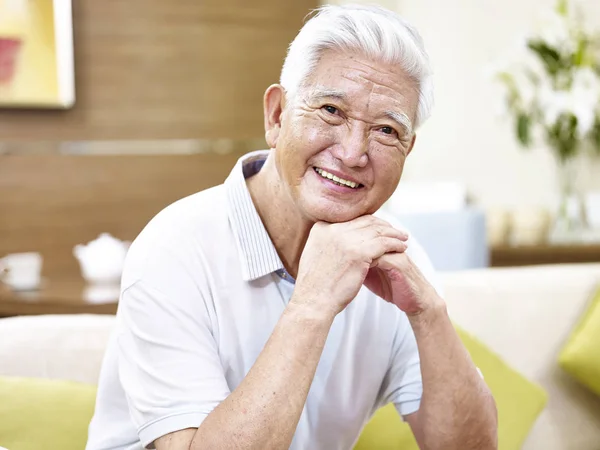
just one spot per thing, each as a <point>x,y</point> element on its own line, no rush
<point>362,84</point>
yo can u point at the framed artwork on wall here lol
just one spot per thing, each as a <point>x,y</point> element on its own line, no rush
<point>36,54</point>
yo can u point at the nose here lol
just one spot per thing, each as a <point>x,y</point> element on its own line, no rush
<point>353,147</point>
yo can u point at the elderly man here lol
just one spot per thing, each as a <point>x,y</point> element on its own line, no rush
<point>277,311</point>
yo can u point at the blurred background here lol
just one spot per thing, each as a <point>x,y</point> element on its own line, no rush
<point>111,110</point>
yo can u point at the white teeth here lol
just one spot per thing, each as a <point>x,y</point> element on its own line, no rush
<point>336,179</point>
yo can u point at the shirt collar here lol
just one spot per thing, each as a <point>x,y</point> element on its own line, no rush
<point>258,255</point>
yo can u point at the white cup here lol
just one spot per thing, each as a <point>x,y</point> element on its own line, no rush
<point>21,271</point>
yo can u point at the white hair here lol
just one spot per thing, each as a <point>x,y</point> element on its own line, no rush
<point>377,33</point>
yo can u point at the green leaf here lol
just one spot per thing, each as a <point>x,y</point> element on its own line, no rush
<point>508,80</point>
<point>562,136</point>
<point>581,57</point>
<point>533,77</point>
<point>549,56</point>
<point>562,7</point>
<point>512,97</point>
<point>595,135</point>
<point>524,129</point>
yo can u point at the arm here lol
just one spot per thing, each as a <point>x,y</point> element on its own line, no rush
<point>265,408</point>
<point>457,409</point>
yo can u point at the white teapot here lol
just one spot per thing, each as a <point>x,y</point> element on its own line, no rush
<point>102,259</point>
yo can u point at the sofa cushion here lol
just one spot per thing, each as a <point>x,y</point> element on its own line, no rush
<point>519,403</point>
<point>61,410</point>
<point>581,355</point>
<point>65,347</point>
<point>37,413</point>
<point>526,314</point>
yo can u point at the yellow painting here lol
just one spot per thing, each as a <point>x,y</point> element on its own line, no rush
<point>36,54</point>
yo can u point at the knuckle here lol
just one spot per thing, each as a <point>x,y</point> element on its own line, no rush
<point>380,221</point>
<point>379,231</point>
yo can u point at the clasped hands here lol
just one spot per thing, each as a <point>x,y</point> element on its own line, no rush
<point>340,258</point>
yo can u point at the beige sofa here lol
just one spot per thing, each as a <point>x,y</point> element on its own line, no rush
<point>524,314</point>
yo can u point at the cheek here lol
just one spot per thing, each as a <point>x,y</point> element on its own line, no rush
<point>388,172</point>
<point>311,135</point>
<point>319,131</point>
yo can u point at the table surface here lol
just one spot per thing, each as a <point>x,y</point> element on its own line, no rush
<point>66,296</point>
<point>544,254</point>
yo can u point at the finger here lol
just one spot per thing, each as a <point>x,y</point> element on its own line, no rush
<point>390,261</point>
<point>389,231</point>
<point>366,221</point>
<point>399,261</point>
<point>384,244</point>
<point>370,224</point>
<point>377,222</point>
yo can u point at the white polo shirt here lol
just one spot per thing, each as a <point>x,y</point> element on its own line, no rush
<point>202,290</point>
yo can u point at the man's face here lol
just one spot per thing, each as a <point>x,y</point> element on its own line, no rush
<point>341,143</point>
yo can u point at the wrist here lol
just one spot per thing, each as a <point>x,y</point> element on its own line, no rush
<point>310,309</point>
<point>434,310</point>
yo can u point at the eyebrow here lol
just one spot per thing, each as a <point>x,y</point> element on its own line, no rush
<point>321,93</point>
<point>402,120</point>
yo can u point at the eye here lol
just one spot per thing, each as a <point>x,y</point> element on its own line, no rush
<point>388,130</point>
<point>330,109</point>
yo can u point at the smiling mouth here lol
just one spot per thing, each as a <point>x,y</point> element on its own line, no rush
<point>337,180</point>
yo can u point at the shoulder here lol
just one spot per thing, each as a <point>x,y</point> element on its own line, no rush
<point>199,209</point>
<point>185,218</point>
<point>175,237</point>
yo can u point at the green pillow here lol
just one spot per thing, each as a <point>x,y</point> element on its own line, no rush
<point>580,357</point>
<point>519,402</point>
<point>40,414</point>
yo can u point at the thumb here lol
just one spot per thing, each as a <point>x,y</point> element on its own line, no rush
<point>385,262</point>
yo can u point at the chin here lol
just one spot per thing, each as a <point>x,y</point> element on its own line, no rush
<point>326,212</point>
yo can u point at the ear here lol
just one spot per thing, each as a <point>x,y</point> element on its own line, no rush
<point>412,144</point>
<point>273,105</point>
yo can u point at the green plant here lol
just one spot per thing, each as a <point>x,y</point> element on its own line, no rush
<point>555,94</point>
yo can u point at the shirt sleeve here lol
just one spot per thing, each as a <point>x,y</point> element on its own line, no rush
<point>169,366</point>
<point>403,385</point>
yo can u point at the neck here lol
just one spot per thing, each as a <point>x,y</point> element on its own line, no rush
<point>287,228</point>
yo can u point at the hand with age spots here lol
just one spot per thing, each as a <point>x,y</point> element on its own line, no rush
<point>396,279</point>
<point>337,258</point>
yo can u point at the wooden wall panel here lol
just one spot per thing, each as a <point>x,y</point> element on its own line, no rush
<point>50,203</point>
<point>168,69</point>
